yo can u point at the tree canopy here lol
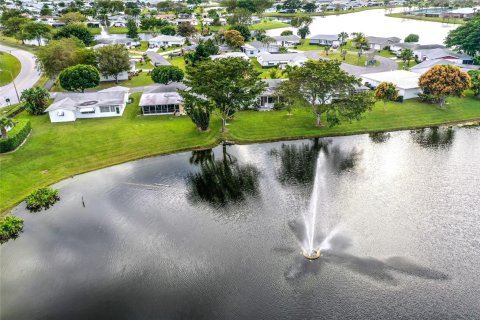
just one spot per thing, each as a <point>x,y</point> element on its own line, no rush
<point>229,84</point>
<point>35,100</point>
<point>167,74</point>
<point>234,38</point>
<point>475,79</point>
<point>412,38</point>
<point>329,90</point>
<point>443,81</point>
<point>113,60</point>
<point>386,91</point>
<point>466,37</point>
<point>77,30</point>
<point>79,77</point>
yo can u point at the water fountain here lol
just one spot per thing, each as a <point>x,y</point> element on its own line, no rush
<point>311,249</point>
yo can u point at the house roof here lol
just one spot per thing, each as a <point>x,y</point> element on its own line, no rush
<point>260,45</point>
<point>116,88</point>
<point>230,55</point>
<point>166,38</point>
<point>281,57</point>
<point>329,37</point>
<point>440,53</point>
<point>78,100</point>
<point>291,38</point>
<point>382,40</point>
<point>427,64</point>
<point>163,98</point>
<point>157,59</point>
<point>401,78</point>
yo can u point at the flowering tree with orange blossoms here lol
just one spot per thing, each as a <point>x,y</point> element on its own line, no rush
<point>386,91</point>
<point>444,81</point>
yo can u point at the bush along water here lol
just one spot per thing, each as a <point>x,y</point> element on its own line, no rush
<point>10,227</point>
<point>42,198</point>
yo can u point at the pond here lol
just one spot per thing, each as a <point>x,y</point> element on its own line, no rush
<point>375,23</point>
<point>216,234</point>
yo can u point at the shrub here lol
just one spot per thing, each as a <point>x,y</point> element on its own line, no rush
<point>42,198</point>
<point>428,98</point>
<point>16,136</point>
<point>10,227</point>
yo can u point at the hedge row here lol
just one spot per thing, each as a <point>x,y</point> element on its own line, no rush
<point>15,136</point>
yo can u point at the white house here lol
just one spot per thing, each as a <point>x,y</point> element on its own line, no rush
<point>281,59</point>
<point>69,106</point>
<point>161,103</point>
<point>380,43</point>
<point>266,100</point>
<point>166,41</point>
<point>444,54</point>
<point>230,55</point>
<point>424,66</point>
<point>398,47</point>
<point>287,41</point>
<point>255,48</point>
<point>326,40</point>
<point>121,77</point>
<point>406,81</point>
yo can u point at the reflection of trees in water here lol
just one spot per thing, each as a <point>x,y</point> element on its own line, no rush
<point>379,137</point>
<point>221,182</point>
<point>298,162</point>
<point>435,137</point>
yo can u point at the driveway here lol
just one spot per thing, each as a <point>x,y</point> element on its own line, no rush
<point>27,77</point>
<point>386,64</point>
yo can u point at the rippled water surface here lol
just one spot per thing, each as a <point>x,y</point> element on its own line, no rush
<point>215,235</point>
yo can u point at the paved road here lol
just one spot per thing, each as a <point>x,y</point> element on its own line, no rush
<point>386,64</point>
<point>27,77</point>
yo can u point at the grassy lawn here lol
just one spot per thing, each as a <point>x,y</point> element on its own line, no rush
<point>14,43</point>
<point>252,126</point>
<point>178,61</point>
<point>8,64</point>
<point>57,151</point>
<point>306,46</point>
<point>266,73</point>
<point>350,58</point>
<point>432,19</point>
<point>95,30</point>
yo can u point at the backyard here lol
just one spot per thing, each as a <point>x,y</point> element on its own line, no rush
<point>66,149</point>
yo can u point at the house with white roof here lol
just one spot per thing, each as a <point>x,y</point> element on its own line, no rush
<point>331,40</point>
<point>70,106</point>
<point>281,59</point>
<point>161,103</point>
<point>230,55</point>
<point>380,43</point>
<point>444,54</point>
<point>406,81</point>
<point>426,65</point>
<point>254,48</point>
<point>287,41</point>
<point>163,40</point>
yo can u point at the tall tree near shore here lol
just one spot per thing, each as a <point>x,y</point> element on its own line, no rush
<point>343,37</point>
<point>229,84</point>
<point>132,29</point>
<point>113,60</point>
<point>302,23</point>
<point>38,31</point>
<point>386,91</point>
<point>444,81</point>
<point>329,91</point>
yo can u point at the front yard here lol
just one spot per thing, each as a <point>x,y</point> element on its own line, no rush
<point>9,67</point>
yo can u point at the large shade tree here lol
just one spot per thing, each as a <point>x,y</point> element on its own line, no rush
<point>466,37</point>
<point>443,81</point>
<point>113,60</point>
<point>37,31</point>
<point>167,74</point>
<point>229,84</point>
<point>79,77</point>
<point>76,30</point>
<point>329,91</point>
<point>35,100</point>
<point>386,91</point>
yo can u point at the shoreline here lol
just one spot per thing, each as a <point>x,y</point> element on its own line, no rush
<point>4,210</point>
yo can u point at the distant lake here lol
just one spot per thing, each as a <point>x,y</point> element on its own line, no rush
<point>215,234</point>
<point>375,23</point>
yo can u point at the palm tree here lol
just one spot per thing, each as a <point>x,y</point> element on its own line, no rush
<point>266,40</point>
<point>343,36</point>
<point>4,124</point>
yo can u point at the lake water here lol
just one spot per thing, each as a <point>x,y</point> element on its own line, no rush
<point>213,235</point>
<point>375,23</point>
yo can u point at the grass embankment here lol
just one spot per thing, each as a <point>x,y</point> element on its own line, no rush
<point>263,25</point>
<point>422,18</point>
<point>321,14</point>
<point>55,151</point>
<point>9,67</point>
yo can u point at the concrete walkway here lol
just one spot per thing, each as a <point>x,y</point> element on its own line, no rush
<point>386,64</point>
<point>27,77</point>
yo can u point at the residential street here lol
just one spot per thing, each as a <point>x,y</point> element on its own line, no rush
<point>27,77</point>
